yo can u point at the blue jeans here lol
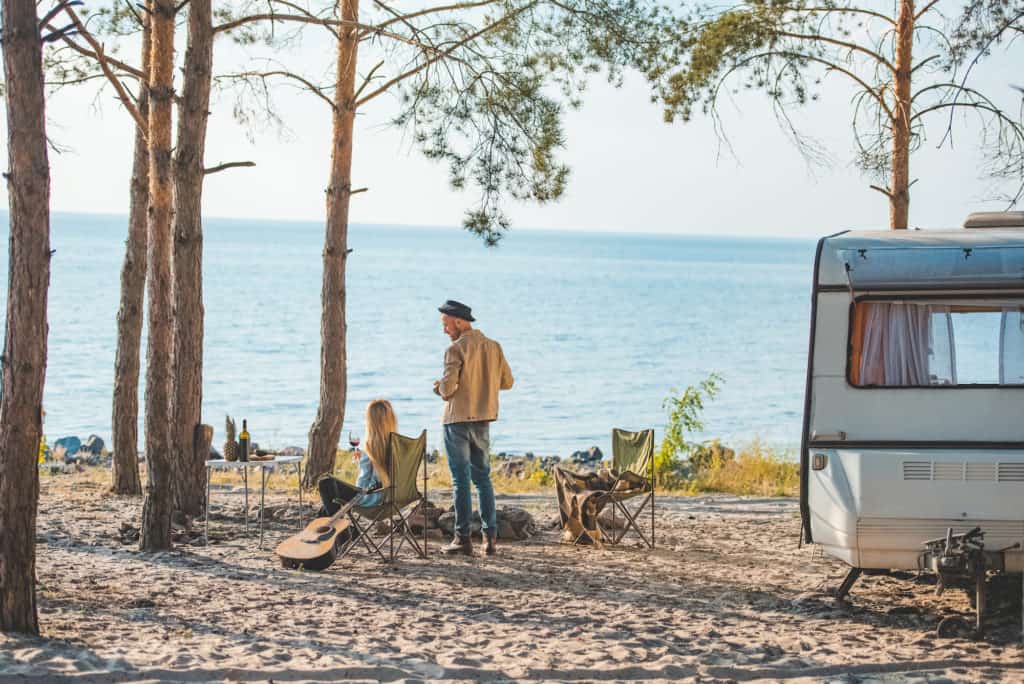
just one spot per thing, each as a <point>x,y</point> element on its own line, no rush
<point>467,446</point>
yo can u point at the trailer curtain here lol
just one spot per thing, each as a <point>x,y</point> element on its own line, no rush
<point>894,344</point>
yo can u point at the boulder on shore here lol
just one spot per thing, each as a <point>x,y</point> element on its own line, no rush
<point>70,444</point>
<point>94,445</point>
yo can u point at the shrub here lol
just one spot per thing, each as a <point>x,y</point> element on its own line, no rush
<point>683,418</point>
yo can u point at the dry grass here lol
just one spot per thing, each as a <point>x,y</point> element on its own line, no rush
<point>755,471</point>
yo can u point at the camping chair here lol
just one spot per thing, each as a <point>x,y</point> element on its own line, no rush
<point>633,469</point>
<point>405,455</point>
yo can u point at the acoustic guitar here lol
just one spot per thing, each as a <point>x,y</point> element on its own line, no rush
<point>316,547</point>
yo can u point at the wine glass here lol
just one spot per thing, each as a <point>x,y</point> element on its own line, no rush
<point>353,439</point>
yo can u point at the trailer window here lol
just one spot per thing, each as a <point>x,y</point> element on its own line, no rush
<point>924,344</point>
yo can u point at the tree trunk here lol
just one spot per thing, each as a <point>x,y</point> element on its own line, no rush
<point>156,511</point>
<point>187,401</point>
<point>24,356</point>
<point>899,199</point>
<point>326,429</point>
<point>125,466</point>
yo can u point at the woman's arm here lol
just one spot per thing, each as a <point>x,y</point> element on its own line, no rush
<point>368,477</point>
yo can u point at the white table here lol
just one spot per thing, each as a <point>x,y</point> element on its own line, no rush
<point>266,469</point>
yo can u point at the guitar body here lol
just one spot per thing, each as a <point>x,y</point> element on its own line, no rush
<point>315,547</point>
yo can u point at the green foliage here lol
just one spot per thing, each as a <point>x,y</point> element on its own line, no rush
<point>784,49</point>
<point>684,418</point>
<point>492,110</point>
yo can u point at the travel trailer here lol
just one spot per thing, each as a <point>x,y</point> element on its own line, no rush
<point>912,453</point>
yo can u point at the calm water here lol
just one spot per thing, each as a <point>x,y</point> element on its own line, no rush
<point>598,329</point>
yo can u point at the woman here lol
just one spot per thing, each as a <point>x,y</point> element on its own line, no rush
<point>373,467</point>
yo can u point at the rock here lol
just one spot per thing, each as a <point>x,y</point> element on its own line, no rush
<point>447,523</point>
<point>425,515</point>
<point>434,456</point>
<point>128,534</point>
<point>591,456</point>
<point>513,469</point>
<point>71,445</point>
<point>292,451</point>
<point>609,522</point>
<point>548,463</point>
<point>710,454</point>
<point>94,445</point>
<point>515,524</point>
<point>214,454</point>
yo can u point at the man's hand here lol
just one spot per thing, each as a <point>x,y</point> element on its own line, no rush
<point>437,387</point>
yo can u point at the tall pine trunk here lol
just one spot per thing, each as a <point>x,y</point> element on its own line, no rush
<point>125,421</point>
<point>899,199</point>
<point>28,280</point>
<point>326,429</point>
<point>186,407</point>
<point>156,511</point>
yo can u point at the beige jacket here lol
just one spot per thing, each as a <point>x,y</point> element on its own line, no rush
<point>475,370</point>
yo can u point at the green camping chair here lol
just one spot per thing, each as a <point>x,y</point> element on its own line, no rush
<point>405,456</point>
<point>633,469</point>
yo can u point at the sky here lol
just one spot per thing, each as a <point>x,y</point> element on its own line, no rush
<point>630,171</point>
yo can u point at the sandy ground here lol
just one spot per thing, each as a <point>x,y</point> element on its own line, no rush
<point>727,596</point>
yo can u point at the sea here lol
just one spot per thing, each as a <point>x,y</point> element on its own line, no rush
<point>599,329</point>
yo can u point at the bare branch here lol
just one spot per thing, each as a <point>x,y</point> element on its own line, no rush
<point>366,81</point>
<point>52,14</point>
<point>444,53</point>
<point>228,165</point>
<point>309,85</point>
<point>101,59</point>
<point>924,10</point>
<point>853,47</point>
<point>407,16</point>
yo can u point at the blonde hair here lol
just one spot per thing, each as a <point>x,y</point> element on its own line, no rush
<point>380,422</point>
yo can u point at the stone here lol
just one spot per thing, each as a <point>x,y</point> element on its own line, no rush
<point>214,454</point>
<point>447,523</point>
<point>515,524</point>
<point>94,445</point>
<point>292,451</point>
<point>71,445</point>
<point>424,515</point>
<point>591,456</point>
<point>512,469</point>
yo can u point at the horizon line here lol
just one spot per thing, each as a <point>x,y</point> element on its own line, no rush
<point>528,229</point>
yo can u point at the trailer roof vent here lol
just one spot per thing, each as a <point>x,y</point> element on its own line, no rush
<point>995,219</point>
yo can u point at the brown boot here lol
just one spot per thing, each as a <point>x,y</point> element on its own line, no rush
<point>492,543</point>
<point>459,545</point>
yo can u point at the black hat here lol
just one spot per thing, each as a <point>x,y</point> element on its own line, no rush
<point>457,309</point>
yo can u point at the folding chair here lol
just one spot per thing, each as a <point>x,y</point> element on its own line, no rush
<point>405,456</point>
<point>633,469</point>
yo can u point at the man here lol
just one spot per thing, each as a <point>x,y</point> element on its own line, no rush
<point>475,370</point>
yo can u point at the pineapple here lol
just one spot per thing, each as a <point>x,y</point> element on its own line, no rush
<point>230,445</point>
